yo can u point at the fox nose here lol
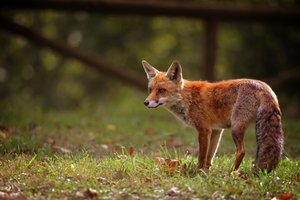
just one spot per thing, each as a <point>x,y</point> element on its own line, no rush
<point>146,103</point>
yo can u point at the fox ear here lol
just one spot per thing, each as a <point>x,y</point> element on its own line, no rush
<point>149,69</point>
<point>174,72</point>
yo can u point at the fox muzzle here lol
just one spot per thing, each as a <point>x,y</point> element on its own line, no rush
<point>154,103</point>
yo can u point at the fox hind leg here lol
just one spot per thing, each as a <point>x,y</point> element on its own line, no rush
<point>213,146</point>
<point>243,113</point>
<point>238,137</point>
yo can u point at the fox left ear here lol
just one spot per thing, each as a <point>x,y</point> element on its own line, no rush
<point>174,72</point>
<point>149,69</point>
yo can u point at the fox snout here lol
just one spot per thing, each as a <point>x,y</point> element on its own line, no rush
<point>154,103</point>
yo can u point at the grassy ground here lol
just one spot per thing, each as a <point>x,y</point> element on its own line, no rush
<point>119,149</point>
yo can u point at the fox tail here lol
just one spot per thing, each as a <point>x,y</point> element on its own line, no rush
<point>269,134</point>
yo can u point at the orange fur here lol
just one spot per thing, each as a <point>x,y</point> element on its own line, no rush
<point>210,107</point>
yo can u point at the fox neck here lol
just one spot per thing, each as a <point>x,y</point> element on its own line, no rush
<point>180,110</point>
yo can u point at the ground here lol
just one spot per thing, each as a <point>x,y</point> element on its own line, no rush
<point>119,149</point>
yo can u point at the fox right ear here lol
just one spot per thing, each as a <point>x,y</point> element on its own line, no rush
<point>149,69</point>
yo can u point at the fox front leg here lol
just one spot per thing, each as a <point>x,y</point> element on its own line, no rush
<point>204,140</point>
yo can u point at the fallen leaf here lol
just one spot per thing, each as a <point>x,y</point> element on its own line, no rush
<point>147,180</point>
<point>131,151</point>
<point>284,196</point>
<point>173,163</point>
<point>159,160</point>
<point>168,165</point>
<point>102,180</point>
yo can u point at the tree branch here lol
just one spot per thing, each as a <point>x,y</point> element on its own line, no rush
<point>224,12</point>
<point>62,48</point>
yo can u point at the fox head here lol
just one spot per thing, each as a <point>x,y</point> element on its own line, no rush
<point>164,87</point>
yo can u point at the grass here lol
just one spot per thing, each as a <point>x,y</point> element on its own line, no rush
<point>119,149</point>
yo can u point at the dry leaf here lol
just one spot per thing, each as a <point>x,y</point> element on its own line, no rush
<point>173,163</point>
<point>284,196</point>
<point>160,160</point>
<point>147,180</point>
<point>131,151</point>
<point>102,180</point>
<point>168,165</point>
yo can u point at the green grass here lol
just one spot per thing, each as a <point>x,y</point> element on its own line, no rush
<point>96,139</point>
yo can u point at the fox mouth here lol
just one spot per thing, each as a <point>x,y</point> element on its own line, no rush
<point>153,104</point>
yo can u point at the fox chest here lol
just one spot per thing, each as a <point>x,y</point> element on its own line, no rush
<point>181,113</point>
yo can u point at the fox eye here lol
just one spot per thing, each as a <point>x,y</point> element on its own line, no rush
<point>162,90</point>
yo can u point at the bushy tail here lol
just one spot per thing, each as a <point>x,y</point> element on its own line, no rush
<point>269,135</point>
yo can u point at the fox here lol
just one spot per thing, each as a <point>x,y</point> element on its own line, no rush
<point>210,107</point>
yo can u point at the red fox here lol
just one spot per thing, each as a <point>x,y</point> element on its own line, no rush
<point>211,107</point>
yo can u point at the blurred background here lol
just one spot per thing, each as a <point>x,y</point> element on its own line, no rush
<point>67,56</point>
<point>244,48</point>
